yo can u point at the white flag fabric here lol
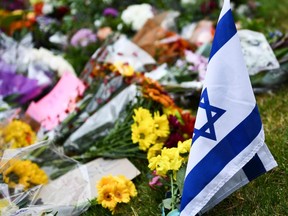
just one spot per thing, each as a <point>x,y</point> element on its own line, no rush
<point>228,148</point>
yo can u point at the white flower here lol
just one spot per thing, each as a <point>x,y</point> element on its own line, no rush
<point>184,2</point>
<point>98,23</point>
<point>242,9</point>
<point>119,26</point>
<point>56,63</point>
<point>137,15</point>
<point>59,38</point>
<point>47,8</point>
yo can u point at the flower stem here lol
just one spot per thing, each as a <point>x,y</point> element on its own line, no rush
<point>172,193</point>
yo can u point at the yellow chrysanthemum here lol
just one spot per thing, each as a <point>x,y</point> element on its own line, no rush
<point>154,150</point>
<point>27,173</point>
<point>143,134</point>
<point>169,160</point>
<point>160,164</point>
<point>19,134</point>
<point>141,115</point>
<point>175,159</point>
<point>171,110</point>
<point>124,68</point>
<point>161,125</point>
<point>184,147</point>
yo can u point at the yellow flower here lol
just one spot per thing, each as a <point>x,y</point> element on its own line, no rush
<point>161,125</point>
<point>17,12</point>
<point>113,190</point>
<point>121,192</point>
<point>140,115</point>
<point>32,2</point>
<point>106,180</point>
<point>19,134</point>
<point>154,150</point>
<point>27,173</point>
<point>106,197</point>
<point>171,110</point>
<point>130,186</point>
<point>160,164</point>
<point>175,159</point>
<point>184,147</point>
<point>143,134</point>
<point>124,68</point>
<point>169,160</point>
<point>3,203</point>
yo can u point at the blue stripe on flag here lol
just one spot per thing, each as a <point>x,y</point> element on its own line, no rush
<point>254,168</point>
<point>229,147</point>
<point>225,30</point>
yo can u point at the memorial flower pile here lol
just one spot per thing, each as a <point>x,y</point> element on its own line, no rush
<point>108,91</point>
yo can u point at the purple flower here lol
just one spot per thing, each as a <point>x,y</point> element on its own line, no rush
<point>7,68</point>
<point>13,5</point>
<point>23,88</point>
<point>83,37</point>
<point>110,12</point>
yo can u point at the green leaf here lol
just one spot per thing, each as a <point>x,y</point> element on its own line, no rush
<point>167,203</point>
<point>180,178</point>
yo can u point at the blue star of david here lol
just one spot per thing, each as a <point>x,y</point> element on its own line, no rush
<point>213,114</point>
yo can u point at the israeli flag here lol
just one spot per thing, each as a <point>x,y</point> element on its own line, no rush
<point>228,148</point>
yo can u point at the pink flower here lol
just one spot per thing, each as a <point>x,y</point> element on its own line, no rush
<point>83,37</point>
<point>155,181</point>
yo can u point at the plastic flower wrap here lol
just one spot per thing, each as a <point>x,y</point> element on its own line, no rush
<point>113,190</point>
<point>32,180</point>
<point>105,76</point>
<point>24,173</point>
<point>99,134</point>
<point>30,71</point>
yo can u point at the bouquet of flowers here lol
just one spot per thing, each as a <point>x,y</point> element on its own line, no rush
<point>30,183</point>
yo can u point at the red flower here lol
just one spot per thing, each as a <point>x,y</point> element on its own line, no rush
<point>189,122</point>
<point>208,6</point>
<point>173,140</point>
<point>38,8</point>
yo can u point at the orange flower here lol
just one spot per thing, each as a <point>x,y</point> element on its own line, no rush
<point>19,25</point>
<point>152,89</point>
